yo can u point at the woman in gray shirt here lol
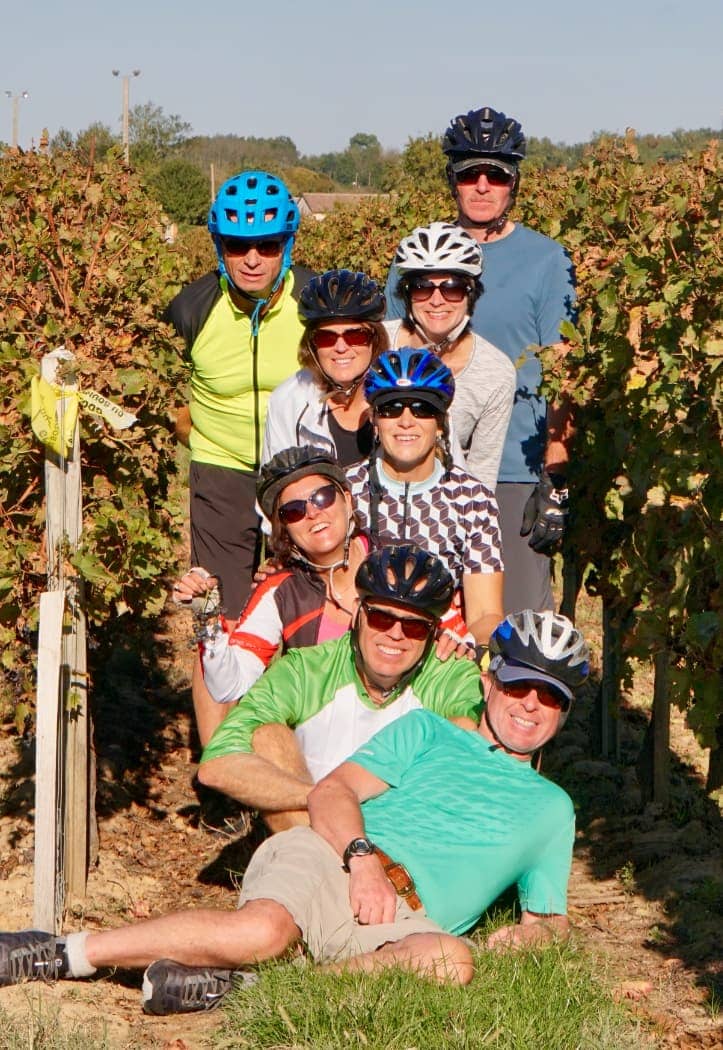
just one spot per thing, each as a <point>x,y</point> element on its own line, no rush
<point>440,269</point>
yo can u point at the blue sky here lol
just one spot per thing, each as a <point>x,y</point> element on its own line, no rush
<point>321,72</point>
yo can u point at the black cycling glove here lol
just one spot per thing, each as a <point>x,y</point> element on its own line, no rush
<point>545,514</point>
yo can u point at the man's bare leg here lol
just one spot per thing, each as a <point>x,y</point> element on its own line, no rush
<point>440,956</point>
<point>261,929</point>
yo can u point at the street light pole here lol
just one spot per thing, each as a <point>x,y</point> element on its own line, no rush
<point>16,99</point>
<point>125,78</point>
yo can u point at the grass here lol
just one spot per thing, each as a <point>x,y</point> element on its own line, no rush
<point>517,1001</point>
<point>42,1028</point>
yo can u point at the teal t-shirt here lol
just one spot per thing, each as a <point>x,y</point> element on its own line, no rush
<point>467,820</point>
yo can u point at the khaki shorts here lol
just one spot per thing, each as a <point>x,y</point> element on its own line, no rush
<point>299,870</point>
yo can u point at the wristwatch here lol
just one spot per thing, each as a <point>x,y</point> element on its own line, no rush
<point>360,847</point>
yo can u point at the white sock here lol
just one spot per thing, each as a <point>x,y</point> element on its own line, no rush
<point>78,965</point>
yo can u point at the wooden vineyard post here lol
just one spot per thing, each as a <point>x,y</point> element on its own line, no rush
<point>63,530</point>
<point>661,729</point>
<point>571,579</point>
<point>48,894</point>
<point>608,707</point>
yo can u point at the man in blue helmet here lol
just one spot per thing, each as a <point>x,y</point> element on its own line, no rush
<point>529,290</point>
<point>242,334</point>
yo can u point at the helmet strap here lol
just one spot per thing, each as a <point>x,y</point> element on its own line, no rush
<point>341,563</point>
<point>491,225</point>
<point>444,344</point>
<point>337,388</point>
<point>405,679</point>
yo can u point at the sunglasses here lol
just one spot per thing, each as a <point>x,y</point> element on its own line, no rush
<point>295,510</point>
<point>268,248</point>
<point>325,339</point>
<point>384,620</point>
<point>495,176</point>
<point>419,409</point>
<point>453,290</point>
<point>546,696</point>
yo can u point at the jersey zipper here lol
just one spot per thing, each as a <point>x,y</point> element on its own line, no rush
<point>257,427</point>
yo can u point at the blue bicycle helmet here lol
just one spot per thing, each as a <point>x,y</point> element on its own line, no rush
<point>254,204</point>
<point>409,373</point>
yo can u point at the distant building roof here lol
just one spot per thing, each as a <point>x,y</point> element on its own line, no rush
<point>320,204</point>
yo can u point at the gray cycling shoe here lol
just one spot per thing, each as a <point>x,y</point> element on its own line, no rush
<point>172,988</point>
<point>31,955</point>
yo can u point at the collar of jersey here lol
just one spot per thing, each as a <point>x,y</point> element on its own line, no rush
<point>411,488</point>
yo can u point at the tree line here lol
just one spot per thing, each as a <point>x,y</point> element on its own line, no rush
<point>181,169</point>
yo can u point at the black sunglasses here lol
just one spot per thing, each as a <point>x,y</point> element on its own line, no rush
<point>494,175</point>
<point>419,409</point>
<point>546,694</point>
<point>269,248</point>
<point>454,289</point>
<point>384,620</point>
<point>295,510</point>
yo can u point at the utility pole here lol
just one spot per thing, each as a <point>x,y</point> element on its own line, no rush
<point>125,78</point>
<point>16,99</point>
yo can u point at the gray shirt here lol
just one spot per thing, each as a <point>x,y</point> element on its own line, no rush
<point>480,411</point>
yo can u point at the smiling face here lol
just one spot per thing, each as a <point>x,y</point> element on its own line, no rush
<point>321,534</point>
<point>408,444</point>
<point>438,316</point>
<point>387,655</point>
<point>344,360</point>
<point>521,716</point>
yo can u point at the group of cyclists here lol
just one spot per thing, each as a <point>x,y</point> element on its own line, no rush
<point>425,400</point>
<point>391,450</point>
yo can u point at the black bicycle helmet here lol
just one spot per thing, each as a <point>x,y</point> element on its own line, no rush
<point>408,576</point>
<point>409,373</point>
<point>292,464</point>
<point>341,294</point>
<point>540,646</point>
<point>484,133</point>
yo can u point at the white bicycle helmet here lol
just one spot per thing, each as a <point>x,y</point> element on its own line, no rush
<point>439,246</point>
<point>540,646</point>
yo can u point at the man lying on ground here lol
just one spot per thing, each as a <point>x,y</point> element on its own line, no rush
<point>464,813</point>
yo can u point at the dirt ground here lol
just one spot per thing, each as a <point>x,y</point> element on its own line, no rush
<point>646,893</point>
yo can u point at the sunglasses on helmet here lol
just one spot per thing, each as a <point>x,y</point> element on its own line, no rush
<point>415,630</point>
<point>494,175</point>
<point>453,289</point>
<point>419,409</point>
<point>295,510</point>
<point>325,339</point>
<point>269,247</point>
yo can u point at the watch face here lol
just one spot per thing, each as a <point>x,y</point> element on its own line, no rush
<point>359,847</point>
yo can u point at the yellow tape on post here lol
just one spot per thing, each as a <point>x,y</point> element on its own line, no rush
<point>45,398</point>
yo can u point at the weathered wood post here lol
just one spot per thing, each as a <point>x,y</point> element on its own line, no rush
<point>63,529</point>
<point>49,891</point>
